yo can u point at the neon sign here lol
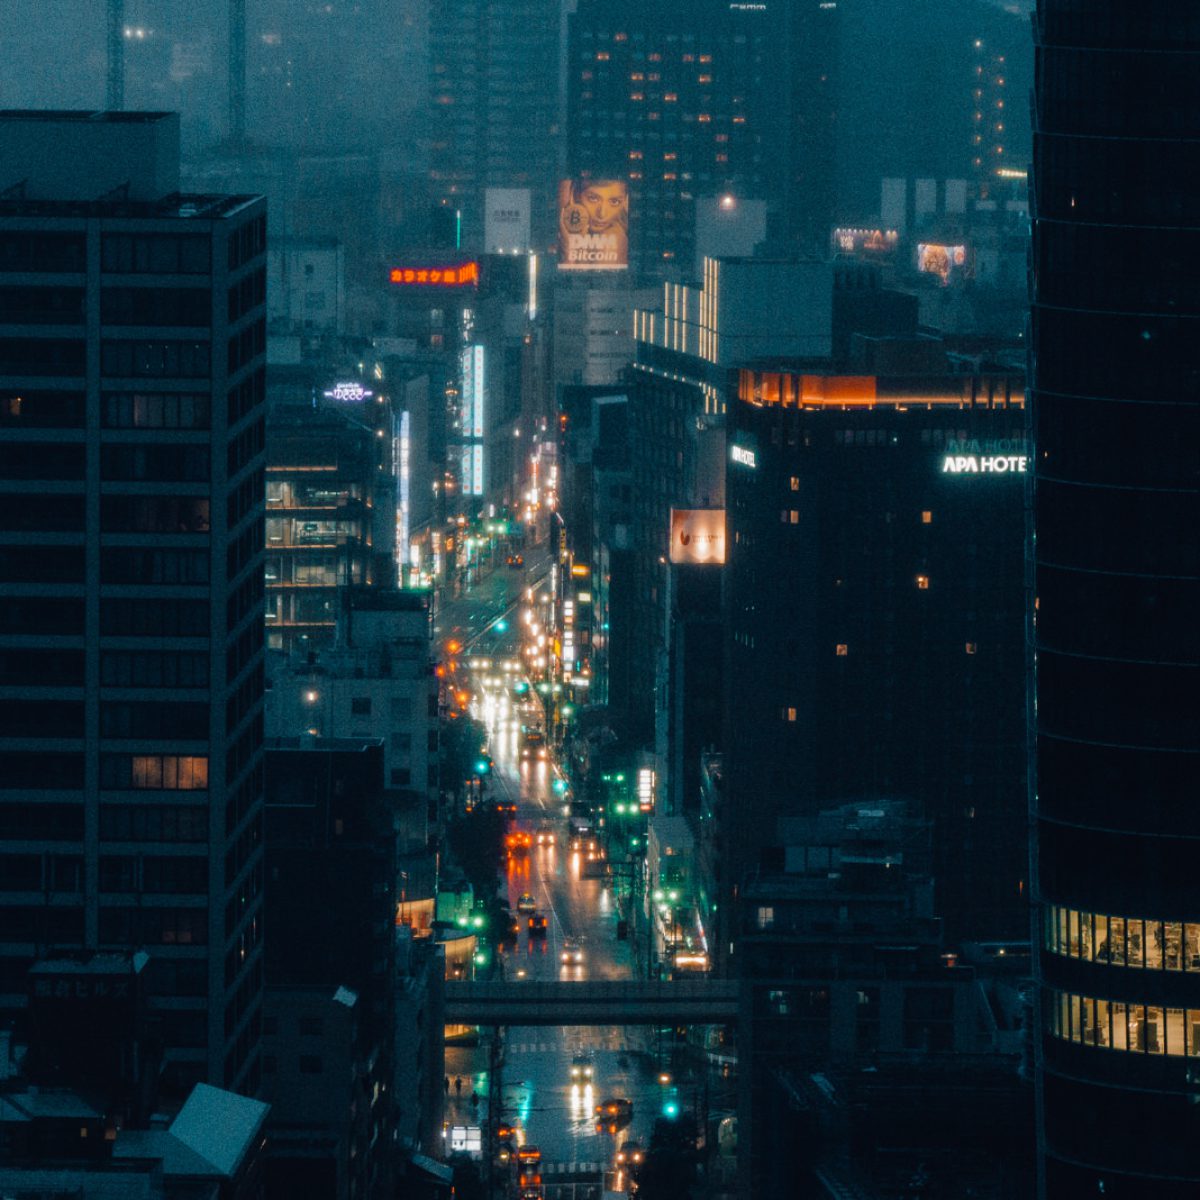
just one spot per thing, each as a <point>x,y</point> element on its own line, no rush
<point>351,392</point>
<point>460,275</point>
<point>740,454</point>
<point>985,464</point>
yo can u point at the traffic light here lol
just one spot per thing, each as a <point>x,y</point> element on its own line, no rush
<point>560,787</point>
<point>482,766</point>
<point>501,626</point>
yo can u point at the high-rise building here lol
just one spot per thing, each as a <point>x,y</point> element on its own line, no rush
<point>1114,720</point>
<point>132,337</point>
<point>691,99</point>
<point>494,113</point>
<point>874,633</point>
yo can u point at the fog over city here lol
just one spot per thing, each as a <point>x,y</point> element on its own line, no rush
<point>598,600</point>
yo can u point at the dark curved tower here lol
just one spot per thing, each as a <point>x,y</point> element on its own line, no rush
<point>1115,716</point>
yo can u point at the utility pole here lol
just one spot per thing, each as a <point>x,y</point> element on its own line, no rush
<point>115,90</point>
<point>237,71</point>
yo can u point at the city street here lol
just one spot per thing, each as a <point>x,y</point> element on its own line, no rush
<point>551,1111</point>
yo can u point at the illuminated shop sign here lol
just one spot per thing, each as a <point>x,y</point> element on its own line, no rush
<point>873,242</point>
<point>698,535</point>
<point>351,392</point>
<point>472,391</point>
<point>985,464</point>
<point>744,455</point>
<point>460,275</point>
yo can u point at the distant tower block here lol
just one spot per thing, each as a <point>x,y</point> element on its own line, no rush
<point>114,98</point>
<point>237,70</point>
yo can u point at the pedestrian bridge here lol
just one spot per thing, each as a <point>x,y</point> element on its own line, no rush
<point>592,1002</point>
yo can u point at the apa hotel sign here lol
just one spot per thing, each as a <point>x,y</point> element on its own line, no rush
<point>985,464</point>
<point>972,457</point>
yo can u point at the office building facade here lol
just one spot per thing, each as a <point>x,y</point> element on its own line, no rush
<point>694,99</point>
<point>132,332</point>
<point>874,599</point>
<point>1114,723</point>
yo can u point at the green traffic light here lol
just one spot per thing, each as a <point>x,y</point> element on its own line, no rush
<point>482,766</point>
<point>502,626</point>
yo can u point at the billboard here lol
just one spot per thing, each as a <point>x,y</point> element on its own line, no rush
<point>946,262</point>
<point>698,535</point>
<point>867,243</point>
<point>472,391</point>
<point>506,220</point>
<point>593,225</point>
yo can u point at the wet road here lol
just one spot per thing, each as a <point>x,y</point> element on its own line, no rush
<point>551,1110</point>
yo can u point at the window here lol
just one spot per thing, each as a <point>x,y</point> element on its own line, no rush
<point>1150,945</point>
<point>155,253</point>
<point>166,772</point>
<point>972,647</point>
<point>766,916</point>
<point>155,359</point>
<point>923,583</point>
<point>842,650</point>
<point>927,517</point>
<point>310,1064</point>
<point>155,410</point>
<point>791,714</point>
<point>794,483</point>
<point>401,776</point>
<point>312,1026</point>
<point>41,410</point>
<point>360,706</point>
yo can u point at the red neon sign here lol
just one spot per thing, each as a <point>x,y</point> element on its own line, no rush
<point>457,276</point>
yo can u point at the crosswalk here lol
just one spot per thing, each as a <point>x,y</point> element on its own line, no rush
<point>581,1170</point>
<point>616,1044</point>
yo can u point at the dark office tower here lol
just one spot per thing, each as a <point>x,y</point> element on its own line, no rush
<point>493,120</point>
<point>695,98</point>
<point>1116,704</point>
<point>131,576</point>
<point>874,632</point>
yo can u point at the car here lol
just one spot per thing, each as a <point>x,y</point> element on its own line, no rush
<point>546,837</point>
<point>582,1070</point>
<point>529,1154</point>
<point>526,903</point>
<point>538,925</point>
<point>631,1154</point>
<point>613,1114</point>
<point>519,843</point>
<point>515,560</point>
<point>572,952</point>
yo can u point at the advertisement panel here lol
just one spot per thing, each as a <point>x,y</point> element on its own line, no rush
<point>472,391</point>
<point>946,262</point>
<point>593,225</point>
<point>698,535</point>
<point>867,243</point>
<point>506,220</point>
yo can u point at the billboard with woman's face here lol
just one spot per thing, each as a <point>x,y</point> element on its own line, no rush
<point>593,225</point>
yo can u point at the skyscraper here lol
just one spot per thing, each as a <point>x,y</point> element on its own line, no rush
<point>132,331</point>
<point>1115,712</point>
<point>692,98</point>
<point>493,120</point>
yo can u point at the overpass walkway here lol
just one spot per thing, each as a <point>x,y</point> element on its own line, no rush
<point>592,1002</point>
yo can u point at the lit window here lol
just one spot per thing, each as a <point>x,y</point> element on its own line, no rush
<point>927,517</point>
<point>794,483</point>
<point>843,650</point>
<point>766,916</point>
<point>972,647</point>
<point>791,714</point>
<point>794,516</point>
<point>923,583</point>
